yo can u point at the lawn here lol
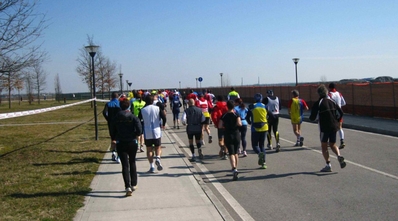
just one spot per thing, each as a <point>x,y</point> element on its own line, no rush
<point>48,160</point>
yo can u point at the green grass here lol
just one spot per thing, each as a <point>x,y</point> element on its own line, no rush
<point>46,169</point>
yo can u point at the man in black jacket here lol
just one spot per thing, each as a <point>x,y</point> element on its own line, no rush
<point>127,127</point>
<point>193,116</point>
<point>328,114</point>
<point>110,110</point>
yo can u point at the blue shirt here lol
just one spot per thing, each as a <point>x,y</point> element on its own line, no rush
<point>242,113</point>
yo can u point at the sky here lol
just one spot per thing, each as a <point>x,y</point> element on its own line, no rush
<point>170,43</point>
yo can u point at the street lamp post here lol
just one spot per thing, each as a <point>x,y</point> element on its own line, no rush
<point>121,83</point>
<point>221,78</point>
<point>179,84</point>
<point>196,82</point>
<point>296,60</point>
<point>127,85</point>
<point>92,50</point>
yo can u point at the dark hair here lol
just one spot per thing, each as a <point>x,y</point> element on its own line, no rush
<point>230,104</point>
<point>332,86</point>
<point>232,88</point>
<point>149,99</point>
<point>124,104</point>
<point>220,98</point>
<point>115,95</point>
<point>295,93</point>
<point>239,101</point>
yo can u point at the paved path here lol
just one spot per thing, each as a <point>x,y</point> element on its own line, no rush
<point>177,192</point>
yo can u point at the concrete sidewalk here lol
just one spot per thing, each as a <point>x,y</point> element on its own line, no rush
<point>171,194</point>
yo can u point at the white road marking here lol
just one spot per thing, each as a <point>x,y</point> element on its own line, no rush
<point>347,161</point>
<point>242,213</point>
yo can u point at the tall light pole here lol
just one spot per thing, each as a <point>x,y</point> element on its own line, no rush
<point>196,82</point>
<point>127,85</point>
<point>221,78</point>
<point>121,83</point>
<point>179,83</point>
<point>92,50</point>
<point>296,60</point>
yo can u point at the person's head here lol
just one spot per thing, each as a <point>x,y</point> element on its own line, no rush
<point>332,86</point>
<point>208,91</point>
<point>232,88</point>
<point>138,96</point>
<point>239,102</point>
<point>115,95</point>
<point>200,95</point>
<point>230,104</point>
<point>295,93</point>
<point>149,99</point>
<point>124,104</point>
<point>258,97</point>
<point>191,91</point>
<point>220,98</point>
<point>322,90</point>
<point>191,102</point>
<point>270,93</point>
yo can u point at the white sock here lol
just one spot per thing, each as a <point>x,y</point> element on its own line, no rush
<point>341,133</point>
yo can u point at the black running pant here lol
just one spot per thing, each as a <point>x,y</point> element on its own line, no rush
<point>127,152</point>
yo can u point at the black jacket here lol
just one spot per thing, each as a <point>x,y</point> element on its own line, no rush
<point>328,113</point>
<point>126,126</point>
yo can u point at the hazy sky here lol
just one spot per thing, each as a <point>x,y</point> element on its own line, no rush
<point>163,42</point>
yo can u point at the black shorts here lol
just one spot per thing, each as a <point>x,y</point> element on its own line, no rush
<point>153,142</point>
<point>207,120</point>
<point>220,133</point>
<point>196,135</point>
<point>328,137</point>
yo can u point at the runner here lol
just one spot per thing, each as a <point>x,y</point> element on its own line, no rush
<point>296,108</point>
<point>219,109</point>
<point>175,104</point>
<point>241,111</point>
<point>109,112</point>
<point>204,106</point>
<point>339,99</point>
<point>193,117</point>
<point>273,109</point>
<point>136,107</point>
<point>329,114</point>
<point>233,94</point>
<point>126,127</point>
<point>152,116</point>
<point>231,122</point>
<point>257,118</point>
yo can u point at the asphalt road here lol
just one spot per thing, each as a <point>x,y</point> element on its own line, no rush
<point>292,188</point>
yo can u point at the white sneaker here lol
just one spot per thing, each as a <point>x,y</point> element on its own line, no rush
<point>269,146</point>
<point>118,159</point>
<point>129,192</point>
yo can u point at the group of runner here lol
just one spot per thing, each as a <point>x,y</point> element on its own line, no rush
<point>231,118</point>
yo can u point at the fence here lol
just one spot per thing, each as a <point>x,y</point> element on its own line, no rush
<point>363,99</point>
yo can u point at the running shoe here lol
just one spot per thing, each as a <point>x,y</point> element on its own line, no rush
<point>158,164</point>
<point>134,188</point>
<point>342,144</point>
<point>297,144</point>
<point>193,159</point>
<point>210,139</point>
<point>235,175</point>
<point>278,148</point>
<point>244,154</point>
<point>113,156</point>
<point>174,127</point>
<point>151,170</point>
<point>225,157</point>
<point>261,158</point>
<point>264,166</point>
<point>129,192</point>
<point>200,153</point>
<point>202,142</point>
<point>178,127</point>
<point>301,141</point>
<point>327,168</point>
<point>269,146</point>
<point>341,161</point>
<point>118,159</point>
<point>141,149</point>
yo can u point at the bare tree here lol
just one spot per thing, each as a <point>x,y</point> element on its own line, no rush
<point>29,86</point>
<point>11,81</point>
<point>323,78</point>
<point>20,27</point>
<point>19,86</point>
<point>105,70</point>
<point>58,91</point>
<point>39,79</point>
